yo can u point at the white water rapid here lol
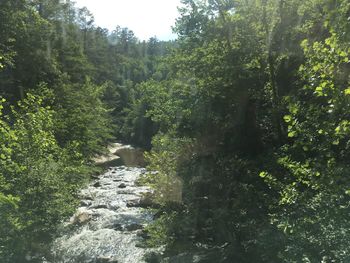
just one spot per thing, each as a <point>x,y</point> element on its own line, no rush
<point>107,227</point>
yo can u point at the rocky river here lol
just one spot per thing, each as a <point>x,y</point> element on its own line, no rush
<point>108,225</point>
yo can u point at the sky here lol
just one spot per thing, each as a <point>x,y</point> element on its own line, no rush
<point>146,18</point>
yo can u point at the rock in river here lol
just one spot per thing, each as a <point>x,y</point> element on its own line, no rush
<point>122,185</point>
<point>108,229</point>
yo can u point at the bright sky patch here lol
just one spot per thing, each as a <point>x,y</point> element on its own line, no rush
<point>147,18</point>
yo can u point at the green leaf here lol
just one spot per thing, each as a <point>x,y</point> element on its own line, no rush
<point>263,174</point>
<point>336,142</point>
<point>316,67</point>
<point>319,91</point>
<point>343,54</point>
<point>292,134</point>
<point>287,118</point>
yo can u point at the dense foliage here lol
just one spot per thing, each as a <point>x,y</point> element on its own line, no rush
<point>66,87</point>
<point>246,118</point>
<point>253,142</point>
<point>38,179</point>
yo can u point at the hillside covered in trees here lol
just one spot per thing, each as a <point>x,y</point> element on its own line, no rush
<point>245,117</point>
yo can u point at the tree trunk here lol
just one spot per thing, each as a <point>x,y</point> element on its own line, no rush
<point>276,116</point>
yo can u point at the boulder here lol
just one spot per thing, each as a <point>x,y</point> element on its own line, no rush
<point>86,196</point>
<point>117,180</point>
<point>131,157</point>
<point>118,227</point>
<point>113,206</point>
<point>106,260</point>
<point>133,203</point>
<point>97,184</point>
<point>81,217</point>
<point>143,234</point>
<point>133,227</point>
<point>147,201</point>
<point>93,176</point>
<point>126,192</point>
<point>99,206</point>
<point>85,202</point>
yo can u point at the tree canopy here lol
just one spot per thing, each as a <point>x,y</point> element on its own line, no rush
<point>245,117</point>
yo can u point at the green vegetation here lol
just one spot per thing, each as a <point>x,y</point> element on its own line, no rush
<point>38,179</point>
<point>66,87</point>
<point>253,133</point>
<point>246,118</point>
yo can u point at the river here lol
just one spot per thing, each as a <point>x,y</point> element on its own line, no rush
<point>108,225</point>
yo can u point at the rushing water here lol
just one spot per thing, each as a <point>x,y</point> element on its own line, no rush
<point>108,225</point>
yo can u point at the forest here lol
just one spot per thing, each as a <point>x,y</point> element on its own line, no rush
<point>245,117</point>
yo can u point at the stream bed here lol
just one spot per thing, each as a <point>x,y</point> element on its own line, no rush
<point>108,225</point>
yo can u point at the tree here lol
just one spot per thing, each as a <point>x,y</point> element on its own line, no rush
<point>82,117</point>
<point>313,199</point>
<point>38,180</point>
